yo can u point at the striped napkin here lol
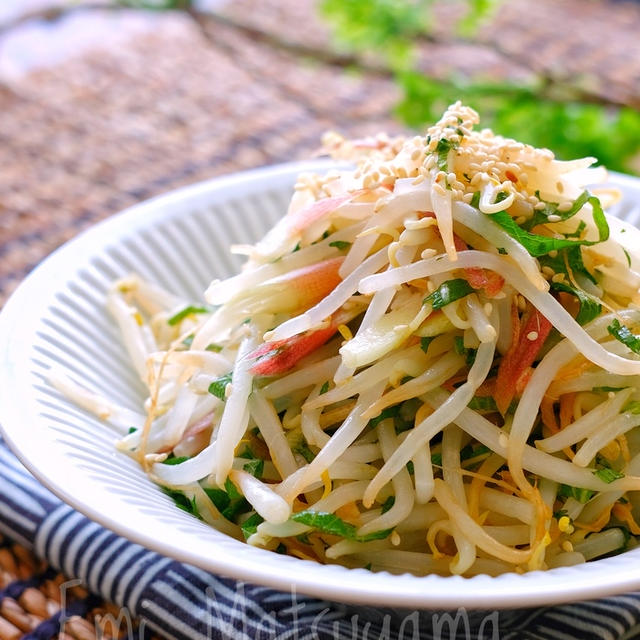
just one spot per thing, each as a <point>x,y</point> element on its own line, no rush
<point>176,600</point>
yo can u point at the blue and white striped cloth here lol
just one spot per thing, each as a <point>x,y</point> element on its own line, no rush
<point>175,600</point>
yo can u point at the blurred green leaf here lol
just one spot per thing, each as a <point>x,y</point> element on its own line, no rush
<point>156,5</point>
<point>544,113</point>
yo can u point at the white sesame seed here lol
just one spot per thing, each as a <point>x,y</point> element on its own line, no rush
<point>532,335</point>
<point>553,218</point>
<point>440,190</point>
<point>522,303</point>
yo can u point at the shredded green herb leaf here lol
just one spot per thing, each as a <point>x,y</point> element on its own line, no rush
<point>624,334</point>
<point>469,452</point>
<point>606,389</point>
<point>460,349</point>
<point>608,475</point>
<point>449,292</point>
<point>229,501</point>
<point>182,502</point>
<point>425,342</point>
<point>187,311</point>
<point>388,503</point>
<point>484,404</point>
<point>389,412</point>
<point>188,341</point>
<point>219,385</point>
<point>632,407</point>
<point>255,467</point>
<point>176,460</point>
<point>250,525</point>
<point>442,149</point>
<point>341,245</point>
<point>332,524</point>
<point>301,446</point>
<point>539,245</point>
<point>580,494</point>
<point>590,308</point>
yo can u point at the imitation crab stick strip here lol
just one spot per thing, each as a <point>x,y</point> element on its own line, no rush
<point>527,340</point>
<point>479,278</point>
<point>283,237</point>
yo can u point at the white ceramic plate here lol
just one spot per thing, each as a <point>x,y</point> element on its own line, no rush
<point>181,241</point>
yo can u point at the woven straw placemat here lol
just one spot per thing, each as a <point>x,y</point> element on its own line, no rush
<point>34,598</point>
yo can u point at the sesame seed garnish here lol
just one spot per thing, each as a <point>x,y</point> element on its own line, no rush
<point>554,218</point>
<point>532,335</point>
<point>548,272</point>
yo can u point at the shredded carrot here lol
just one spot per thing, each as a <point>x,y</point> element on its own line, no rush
<point>432,533</point>
<point>326,478</point>
<point>423,412</point>
<point>574,369</point>
<point>623,513</point>
<point>611,451</point>
<point>566,409</point>
<point>477,484</point>
<point>349,512</point>
<point>597,524</point>
<point>506,485</point>
<point>536,561</point>
<point>548,414</point>
<point>567,402</point>
<point>624,448</point>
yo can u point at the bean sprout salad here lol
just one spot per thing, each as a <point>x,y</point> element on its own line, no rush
<point>429,364</point>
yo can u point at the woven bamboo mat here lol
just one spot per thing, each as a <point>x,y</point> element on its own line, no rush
<point>89,137</point>
<point>34,598</point>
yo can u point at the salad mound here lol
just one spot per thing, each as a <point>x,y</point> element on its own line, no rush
<point>429,364</point>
